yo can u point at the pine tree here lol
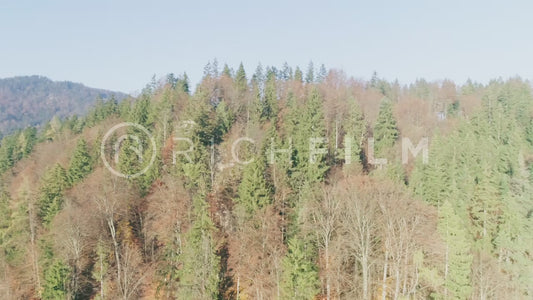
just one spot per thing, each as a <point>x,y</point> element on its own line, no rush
<point>54,182</point>
<point>80,163</point>
<point>385,130</point>
<point>300,275</point>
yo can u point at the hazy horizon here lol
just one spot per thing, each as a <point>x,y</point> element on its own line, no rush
<point>120,45</point>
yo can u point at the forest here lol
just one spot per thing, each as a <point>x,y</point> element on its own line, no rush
<point>34,100</point>
<point>272,185</point>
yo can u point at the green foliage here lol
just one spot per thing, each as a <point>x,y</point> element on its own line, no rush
<point>306,128</point>
<point>241,81</point>
<point>56,278</point>
<point>7,153</point>
<point>355,128</point>
<point>385,130</point>
<point>14,231</point>
<point>298,75</point>
<point>310,75</point>
<point>254,191</point>
<point>300,275</point>
<point>141,112</point>
<point>459,260</point>
<point>80,163</point>
<point>34,100</point>
<point>16,146</point>
<point>53,184</point>
<point>199,275</point>
<point>269,103</point>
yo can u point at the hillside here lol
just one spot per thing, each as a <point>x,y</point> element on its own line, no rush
<point>33,100</point>
<point>272,186</point>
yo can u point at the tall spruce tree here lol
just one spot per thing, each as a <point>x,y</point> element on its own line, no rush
<point>199,275</point>
<point>458,258</point>
<point>254,191</point>
<point>80,163</point>
<point>300,274</point>
<point>53,184</point>
<point>385,131</point>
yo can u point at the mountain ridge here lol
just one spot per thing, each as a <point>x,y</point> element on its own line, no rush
<point>33,100</point>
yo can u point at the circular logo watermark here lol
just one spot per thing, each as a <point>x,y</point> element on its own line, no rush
<point>136,150</point>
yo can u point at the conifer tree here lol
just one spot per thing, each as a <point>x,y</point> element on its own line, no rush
<point>310,75</point>
<point>385,130</point>
<point>226,71</point>
<point>300,275</point>
<point>286,72</point>
<point>241,81</point>
<point>356,131</point>
<point>54,183</point>
<point>199,275</point>
<point>56,281</point>
<point>269,104</point>
<point>322,73</point>
<point>310,128</point>
<point>298,75</point>
<point>254,190</point>
<point>7,153</point>
<point>458,259</point>
<point>80,163</point>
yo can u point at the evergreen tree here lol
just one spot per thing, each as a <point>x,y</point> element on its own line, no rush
<point>286,72</point>
<point>457,273</point>
<point>300,275</point>
<point>27,140</point>
<point>56,281</point>
<point>484,210</point>
<point>80,163</point>
<point>356,131</point>
<point>310,75</point>
<point>269,104</point>
<point>54,183</point>
<point>254,191</point>
<point>385,130</point>
<point>199,275</point>
<point>322,73</point>
<point>241,81</point>
<point>226,71</point>
<point>183,83</point>
<point>298,75</point>
<point>258,76</point>
<point>142,112</point>
<point>311,126</point>
<point>7,153</point>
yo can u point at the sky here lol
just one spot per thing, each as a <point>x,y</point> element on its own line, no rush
<point>120,45</point>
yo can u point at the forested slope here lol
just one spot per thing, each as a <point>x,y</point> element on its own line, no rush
<point>272,185</point>
<point>34,100</point>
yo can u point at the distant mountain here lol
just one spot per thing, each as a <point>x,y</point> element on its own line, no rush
<point>33,100</point>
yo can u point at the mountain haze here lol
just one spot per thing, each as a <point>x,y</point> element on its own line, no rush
<point>33,100</point>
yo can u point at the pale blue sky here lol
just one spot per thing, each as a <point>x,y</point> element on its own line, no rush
<point>120,44</point>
